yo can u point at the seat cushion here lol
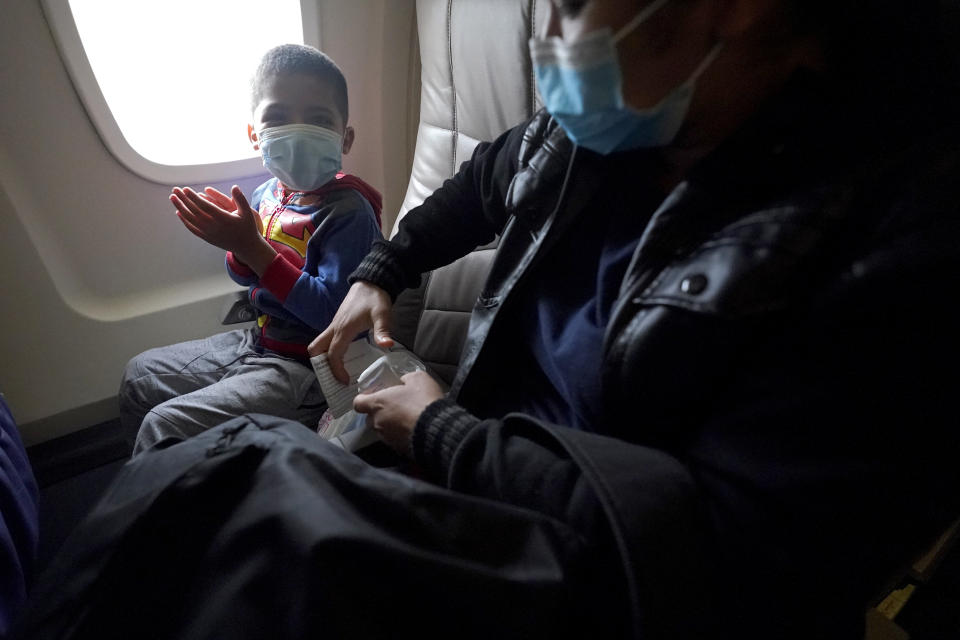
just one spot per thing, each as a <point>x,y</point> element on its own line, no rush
<point>476,82</point>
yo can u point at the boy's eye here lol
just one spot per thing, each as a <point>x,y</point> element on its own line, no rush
<point>319,118</point>
<point>274,116</point>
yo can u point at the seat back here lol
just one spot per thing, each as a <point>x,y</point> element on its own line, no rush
<point>476,82</point>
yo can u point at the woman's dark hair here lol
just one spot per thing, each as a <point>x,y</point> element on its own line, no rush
<point>897,46</point>
<point>900,44</point>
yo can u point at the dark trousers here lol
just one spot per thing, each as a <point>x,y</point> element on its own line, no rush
<point>259,529</point>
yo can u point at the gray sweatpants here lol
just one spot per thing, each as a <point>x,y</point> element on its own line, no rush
<point>184,389</point>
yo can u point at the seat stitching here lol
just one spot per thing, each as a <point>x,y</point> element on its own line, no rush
<point>453,86</point>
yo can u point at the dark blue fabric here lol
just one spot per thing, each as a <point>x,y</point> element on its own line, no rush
<point>19,528</point>
<point>567,315</point>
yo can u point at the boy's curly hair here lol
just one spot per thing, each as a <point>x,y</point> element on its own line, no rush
<point>300,58</point>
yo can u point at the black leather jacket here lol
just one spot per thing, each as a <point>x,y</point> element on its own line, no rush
<point>777,439</point>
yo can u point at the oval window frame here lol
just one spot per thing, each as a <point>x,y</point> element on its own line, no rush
<point>70,46</point>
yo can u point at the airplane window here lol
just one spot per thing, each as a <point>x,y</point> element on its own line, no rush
<point>174,75</point>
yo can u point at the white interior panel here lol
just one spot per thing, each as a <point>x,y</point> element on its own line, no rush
<point>481,68</point>
<point>96,267</point>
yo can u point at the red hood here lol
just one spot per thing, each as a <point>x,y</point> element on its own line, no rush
<point>347,181</point>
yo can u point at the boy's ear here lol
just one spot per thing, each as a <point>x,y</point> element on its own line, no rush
<point>252,136</point>
<point>347,140</point>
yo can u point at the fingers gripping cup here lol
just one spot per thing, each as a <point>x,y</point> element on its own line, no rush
<point>369,369</point>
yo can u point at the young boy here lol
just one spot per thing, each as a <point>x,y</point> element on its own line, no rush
<point>306,231</point>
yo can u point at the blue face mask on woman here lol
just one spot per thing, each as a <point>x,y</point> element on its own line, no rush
<point>303,157</point>
<point>582,88</point>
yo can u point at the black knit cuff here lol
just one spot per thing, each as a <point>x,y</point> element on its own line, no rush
<point>439,431</point>
<point>382,269</point>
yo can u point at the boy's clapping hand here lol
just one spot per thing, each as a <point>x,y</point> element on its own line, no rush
<point>218,198</point>
<point>225,202</point>
<point>228,223</point>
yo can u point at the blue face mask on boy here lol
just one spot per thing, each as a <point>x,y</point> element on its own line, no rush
<point>303,157</point>
<point>581,87</point>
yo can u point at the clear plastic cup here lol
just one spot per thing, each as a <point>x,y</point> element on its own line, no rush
<point>387,371</point>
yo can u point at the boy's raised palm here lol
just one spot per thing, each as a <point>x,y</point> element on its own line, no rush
<point>219,198</point>
<point>236,229</point>
<point>225,202</point>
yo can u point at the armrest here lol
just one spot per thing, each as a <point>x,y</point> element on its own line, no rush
<point>237,308</point>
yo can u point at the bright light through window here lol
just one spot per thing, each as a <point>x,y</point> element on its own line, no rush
<point>176,74</point>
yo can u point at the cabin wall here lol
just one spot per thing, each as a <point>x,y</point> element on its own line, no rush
<point>95,266</point>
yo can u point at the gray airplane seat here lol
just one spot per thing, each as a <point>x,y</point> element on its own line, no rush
<point>476,82</point>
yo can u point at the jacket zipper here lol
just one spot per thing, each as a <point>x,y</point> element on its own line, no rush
<point>470,358</point>
<point>276,214</point>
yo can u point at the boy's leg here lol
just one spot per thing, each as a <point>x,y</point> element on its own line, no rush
<point>268,384</point>
<point>157,375</point>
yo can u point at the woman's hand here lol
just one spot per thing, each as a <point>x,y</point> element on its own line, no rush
<point>394,411</point>
<point>366,306</point>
